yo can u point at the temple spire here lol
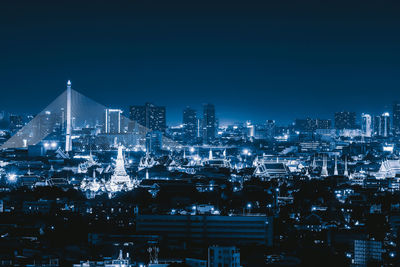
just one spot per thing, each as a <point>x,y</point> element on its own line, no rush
<point>324,171</point>
<point>346,172</point>
<point>335,172</point>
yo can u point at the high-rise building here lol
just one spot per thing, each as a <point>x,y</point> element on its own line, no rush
<point>270,128</point>
<point>345,120</point>
<point>324,124</point>
<point>189,123</point>
<point>15,122</point>
<point>251,129</point>
<point>209,123</point>
<point>223,256</point>
<point>366,125</point>
<point>367,251</point>
<point>138,115</point>
<point>386,130</point>
<point>150,116</point>
<point>153,141</point>
<point>396,118</point>
<point>112,124</point>
<point>377,125</point>
<point>310,125</point>
<point>381,125</point>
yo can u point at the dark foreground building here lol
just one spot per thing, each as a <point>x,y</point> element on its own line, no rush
<point>207,229</point>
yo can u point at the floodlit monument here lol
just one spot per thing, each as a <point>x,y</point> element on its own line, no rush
<point>120,180</point>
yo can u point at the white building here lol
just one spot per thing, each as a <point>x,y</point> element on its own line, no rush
<point>388,169</point>
<point>366,125</point>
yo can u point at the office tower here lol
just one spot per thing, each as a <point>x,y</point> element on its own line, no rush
<point>250,129</point>
<point>345,120</point>
<point>377,125</point>
<point>385,123</point>
<point>396,118</point>
<point>324,124</point>
<point>366,125</point>
<point>310,125</point>
<point>15,122</point>
<point>45,124</point>
<point>270,128</point>
<point>153,141</point>
<point>150,116</point>
<point>209,123</point>
<point>223,256</point>
<point>367,251</point>
<point>138,115</point>
<point>112,123</point>
<point>189,123</point>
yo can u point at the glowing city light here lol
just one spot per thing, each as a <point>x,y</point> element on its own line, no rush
<point>12,177</point>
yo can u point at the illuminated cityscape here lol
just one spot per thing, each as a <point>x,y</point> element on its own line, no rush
<point>201,135</point>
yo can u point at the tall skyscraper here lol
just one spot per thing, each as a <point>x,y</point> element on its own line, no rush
<point>270,128</point>
<point>138,115</point>
<point>153,141</point>
<point>377,125</point>
<point>189,123</point>
<point>310,125</point>
<point>345,120</point>
<point>366,125</point>
<point>150,116</point>
<point>396,118</point>
<point>112,123</point>
<point>381,125</point>
<point>209,123</point>
<point>386,129</point>
<point>15,122</point>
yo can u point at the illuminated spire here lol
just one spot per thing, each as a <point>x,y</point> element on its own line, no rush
<point>324,171</point>
<point>335,172</point>
<point>346,172</point>
<point>314,163</point>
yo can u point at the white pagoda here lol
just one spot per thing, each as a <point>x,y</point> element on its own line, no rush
<point>120,180</point>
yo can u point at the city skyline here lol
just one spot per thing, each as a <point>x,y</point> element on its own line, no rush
<point>226,122</point>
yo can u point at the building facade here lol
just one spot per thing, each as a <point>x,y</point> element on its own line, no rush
<point>150,116</point>
<point>209,123</point>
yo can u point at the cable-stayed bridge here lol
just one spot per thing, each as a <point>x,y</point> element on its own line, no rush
<point>70,112</point>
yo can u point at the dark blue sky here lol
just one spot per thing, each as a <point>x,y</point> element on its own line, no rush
<point>254,60</point>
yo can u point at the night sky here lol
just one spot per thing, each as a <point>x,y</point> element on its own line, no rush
<point>254,60</point>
